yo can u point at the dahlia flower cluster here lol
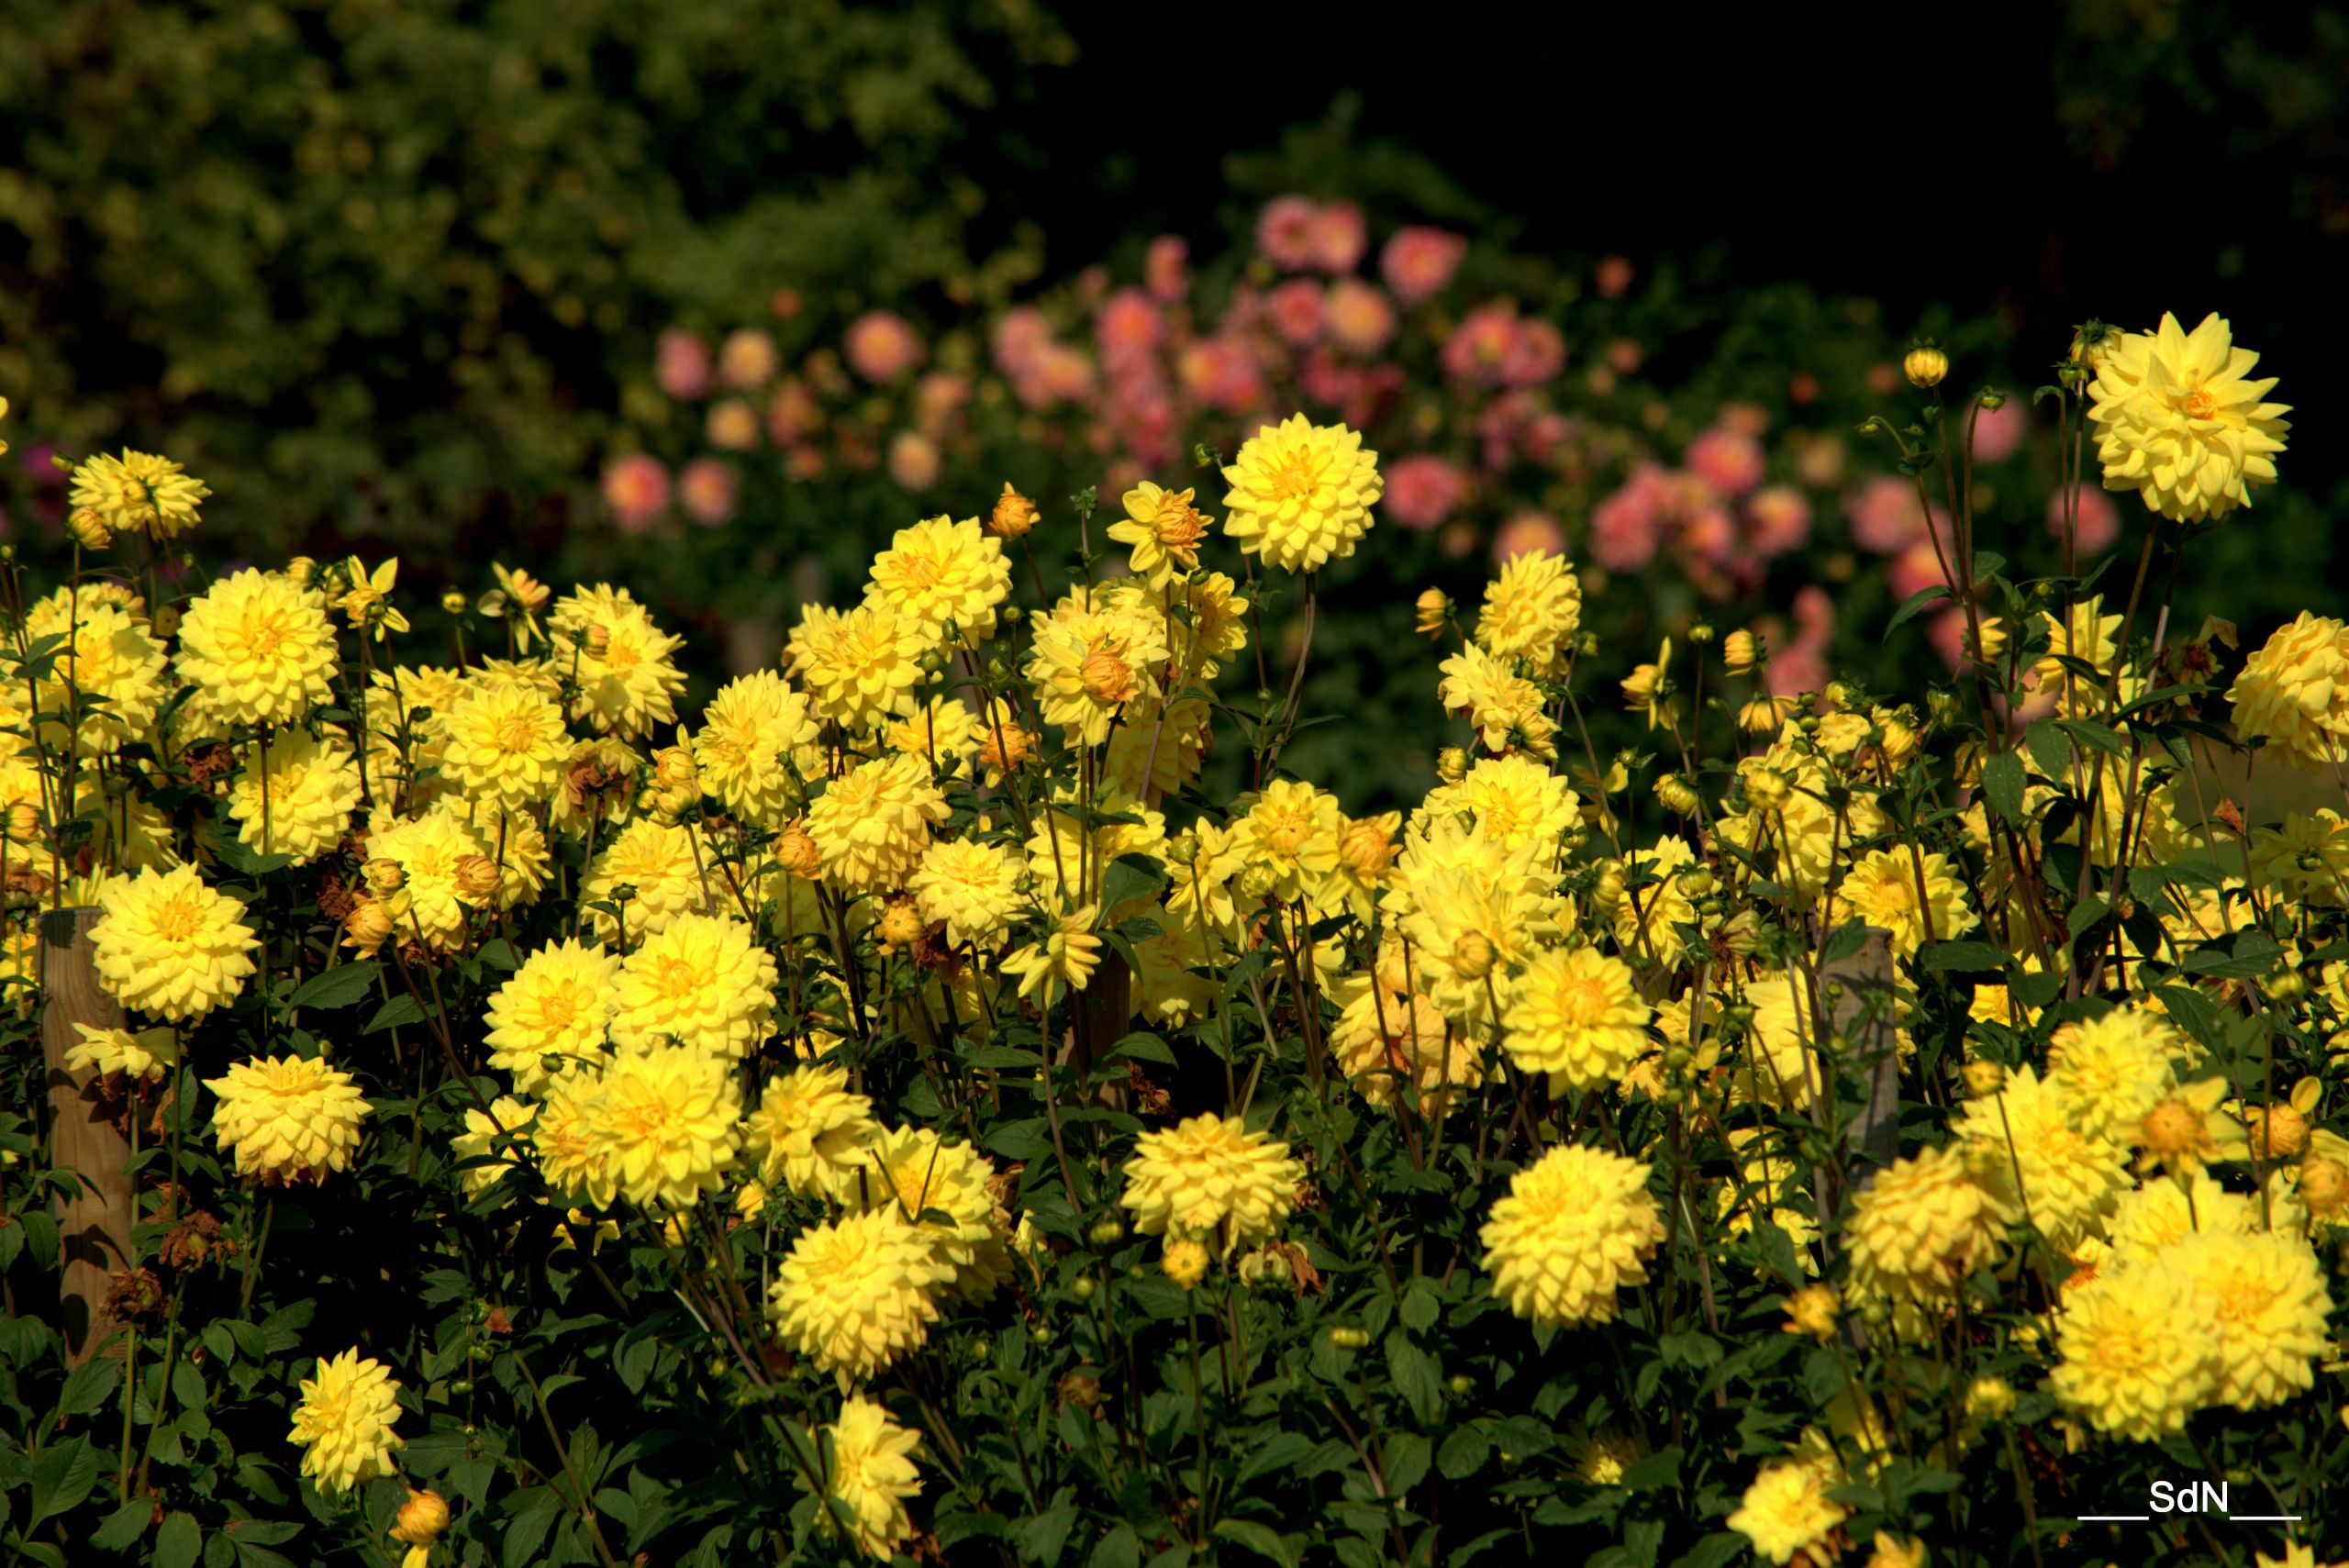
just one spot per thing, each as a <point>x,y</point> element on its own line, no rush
<point>877,1005</point>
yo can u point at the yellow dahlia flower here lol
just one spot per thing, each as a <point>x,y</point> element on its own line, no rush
<point>2181,422</point>
<point>106,679</point>
<point>1383,1038</point>
<point>1576,1015</point>
<point>941,732</point>
<point>2294,693</point>
<point>854,1295</point>
<point>809,1133</point>
<point>972,888</point>
<point>287,1119</point>
<point>2140,1351</point>
<point>1300,493</point>
<point>558,1004</point>
<point>1515,800</point>
<point>745,745</point>
<point>139,493</point>
<point>1088,665</point>
<point>662,1123</point>
<point>1066,959</point>
<point>1531,612</point>
<point>1787,1513</point>
<point>1507,711</point>
<point>295,797</point>
<point>431,850</point>
<point>1884,888</point>
<point>1653,920</point>
<point>1287,835</point>
<point>258,648</point>
<point>671,867</point>
<point>623,663</point>
<point>2268,1293</point>
<point>873,823</point>
<point>2153,1217</point>
<point>344,1421</point>
<point>1211,1176</point>
<point>504,745</point>
<point>170,946</point>
<point>859,669</point>
<point>2304,859</point>
<point>569,1160</point>
<point>486,1140</point>
<point>940,573</point>
<point>919,1173</point>
<point>867,1459</point>
<point>1576,1227</point>
<point>1916,1230</point>
<point>2114,1068</point>
<point>2033,1151</point>
<point>1161,531</point>
<point>149,1055</point>
<point>703,980</point>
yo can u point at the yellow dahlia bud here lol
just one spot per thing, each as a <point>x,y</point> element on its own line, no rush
<point>1766,714</point>
<point>1014,514</point>
<point>750,1201</point>
<point>1366,850</point>
<point>2092,341</point>
<point>2324,1186</point>
<point>900,924</point>
<point>385,877</point>
<point>1185,1261</point>
<point>302,568</point>
<point>2278,1131</point>
<point>673,769</point>
<point>422,1518</point>
<point>477,876</point>
<point>1472,956</point>
<point>1989,1399</point>
<point>1984,1079</point>
<point>367,927</point>
<point>1435,610</point>
<point>2175,1128</point>
<point>1675,794</point>
<point>1109,679</point>
<point>1925,366</point>
<point>2288,986</point>
<point>1451,764</point>
<point>1607,890</point>
<point>597,639</point>
<point>23,822</point>
<point>88,527</point>
<point>1768,789</point>
<point>796,853</point>
<point>1812,1311</point>
<point>1740,650</point>
<point>453,601</point>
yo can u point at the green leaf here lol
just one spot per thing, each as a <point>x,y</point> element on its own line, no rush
<point>2103,737</point>
<point>1716,1550</point>
<point>1967,957</point>
<point>1144,1047</point>
<point>123,1525</point>
<point>62,1476</point>
<point>1120,1549</point>
<point>2002,785</point>
<point>1420,1306</point>
<point>1913,606</point>
<point>2048,748</point>
<point>1404,1458</point>
<point>1130,877</point>
<point>1042,1537</point>
<point>1843,941</point>
<point>1463,1454</point>
<point>1261,1540</point>
<point>1413,1370</point>
<point>391,1015</point>
<point>341,986</point>
<point>90,1387</point>
<point>178,1541</point>
<point>1658,1470</point>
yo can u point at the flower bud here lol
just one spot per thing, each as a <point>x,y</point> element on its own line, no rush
<point>422,1518</point>
<point>597,640</point>
<point>673,769</point>
<point>1350,1339</point>
<point>385,877</point>
<point>2277,1132</point>
<point>1925,366</point>
<point>453,601</point>
<point>368,926</point>
<point>900,924</point>
<point>1435,610</point>
<point>1014,514</point>
<point>1451,764</point>
<point>23,822</point>
<point>1107,1232</point>
<point>796,853</point>
<point>1079,1389</point>
<point>1984,1079</point>
<point>1740,650</point>
<point>2324,1186</point>
<point>476,877</point>
<point>1678,797</point>
<point>89,528</point>
<point>1109,679</point>
<point>1472,956</point>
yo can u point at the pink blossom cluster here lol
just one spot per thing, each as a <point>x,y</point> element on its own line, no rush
<point>1713,514</point>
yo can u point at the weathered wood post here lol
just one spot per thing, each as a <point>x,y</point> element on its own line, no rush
<point>1871,1048</point>
<point>94,1224</point>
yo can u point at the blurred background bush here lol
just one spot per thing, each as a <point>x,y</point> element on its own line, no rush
<point>707,297</point>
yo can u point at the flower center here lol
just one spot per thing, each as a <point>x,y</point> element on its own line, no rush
<point>2200,405</point>
<point>677,979</point>
<point>1297,474</point>
<point>513,732</point>
<point>177,922</point>
<point>2173,1127</point>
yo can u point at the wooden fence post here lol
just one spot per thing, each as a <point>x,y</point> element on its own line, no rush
<point>94,1224</point>
<point>1872,1048</point>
